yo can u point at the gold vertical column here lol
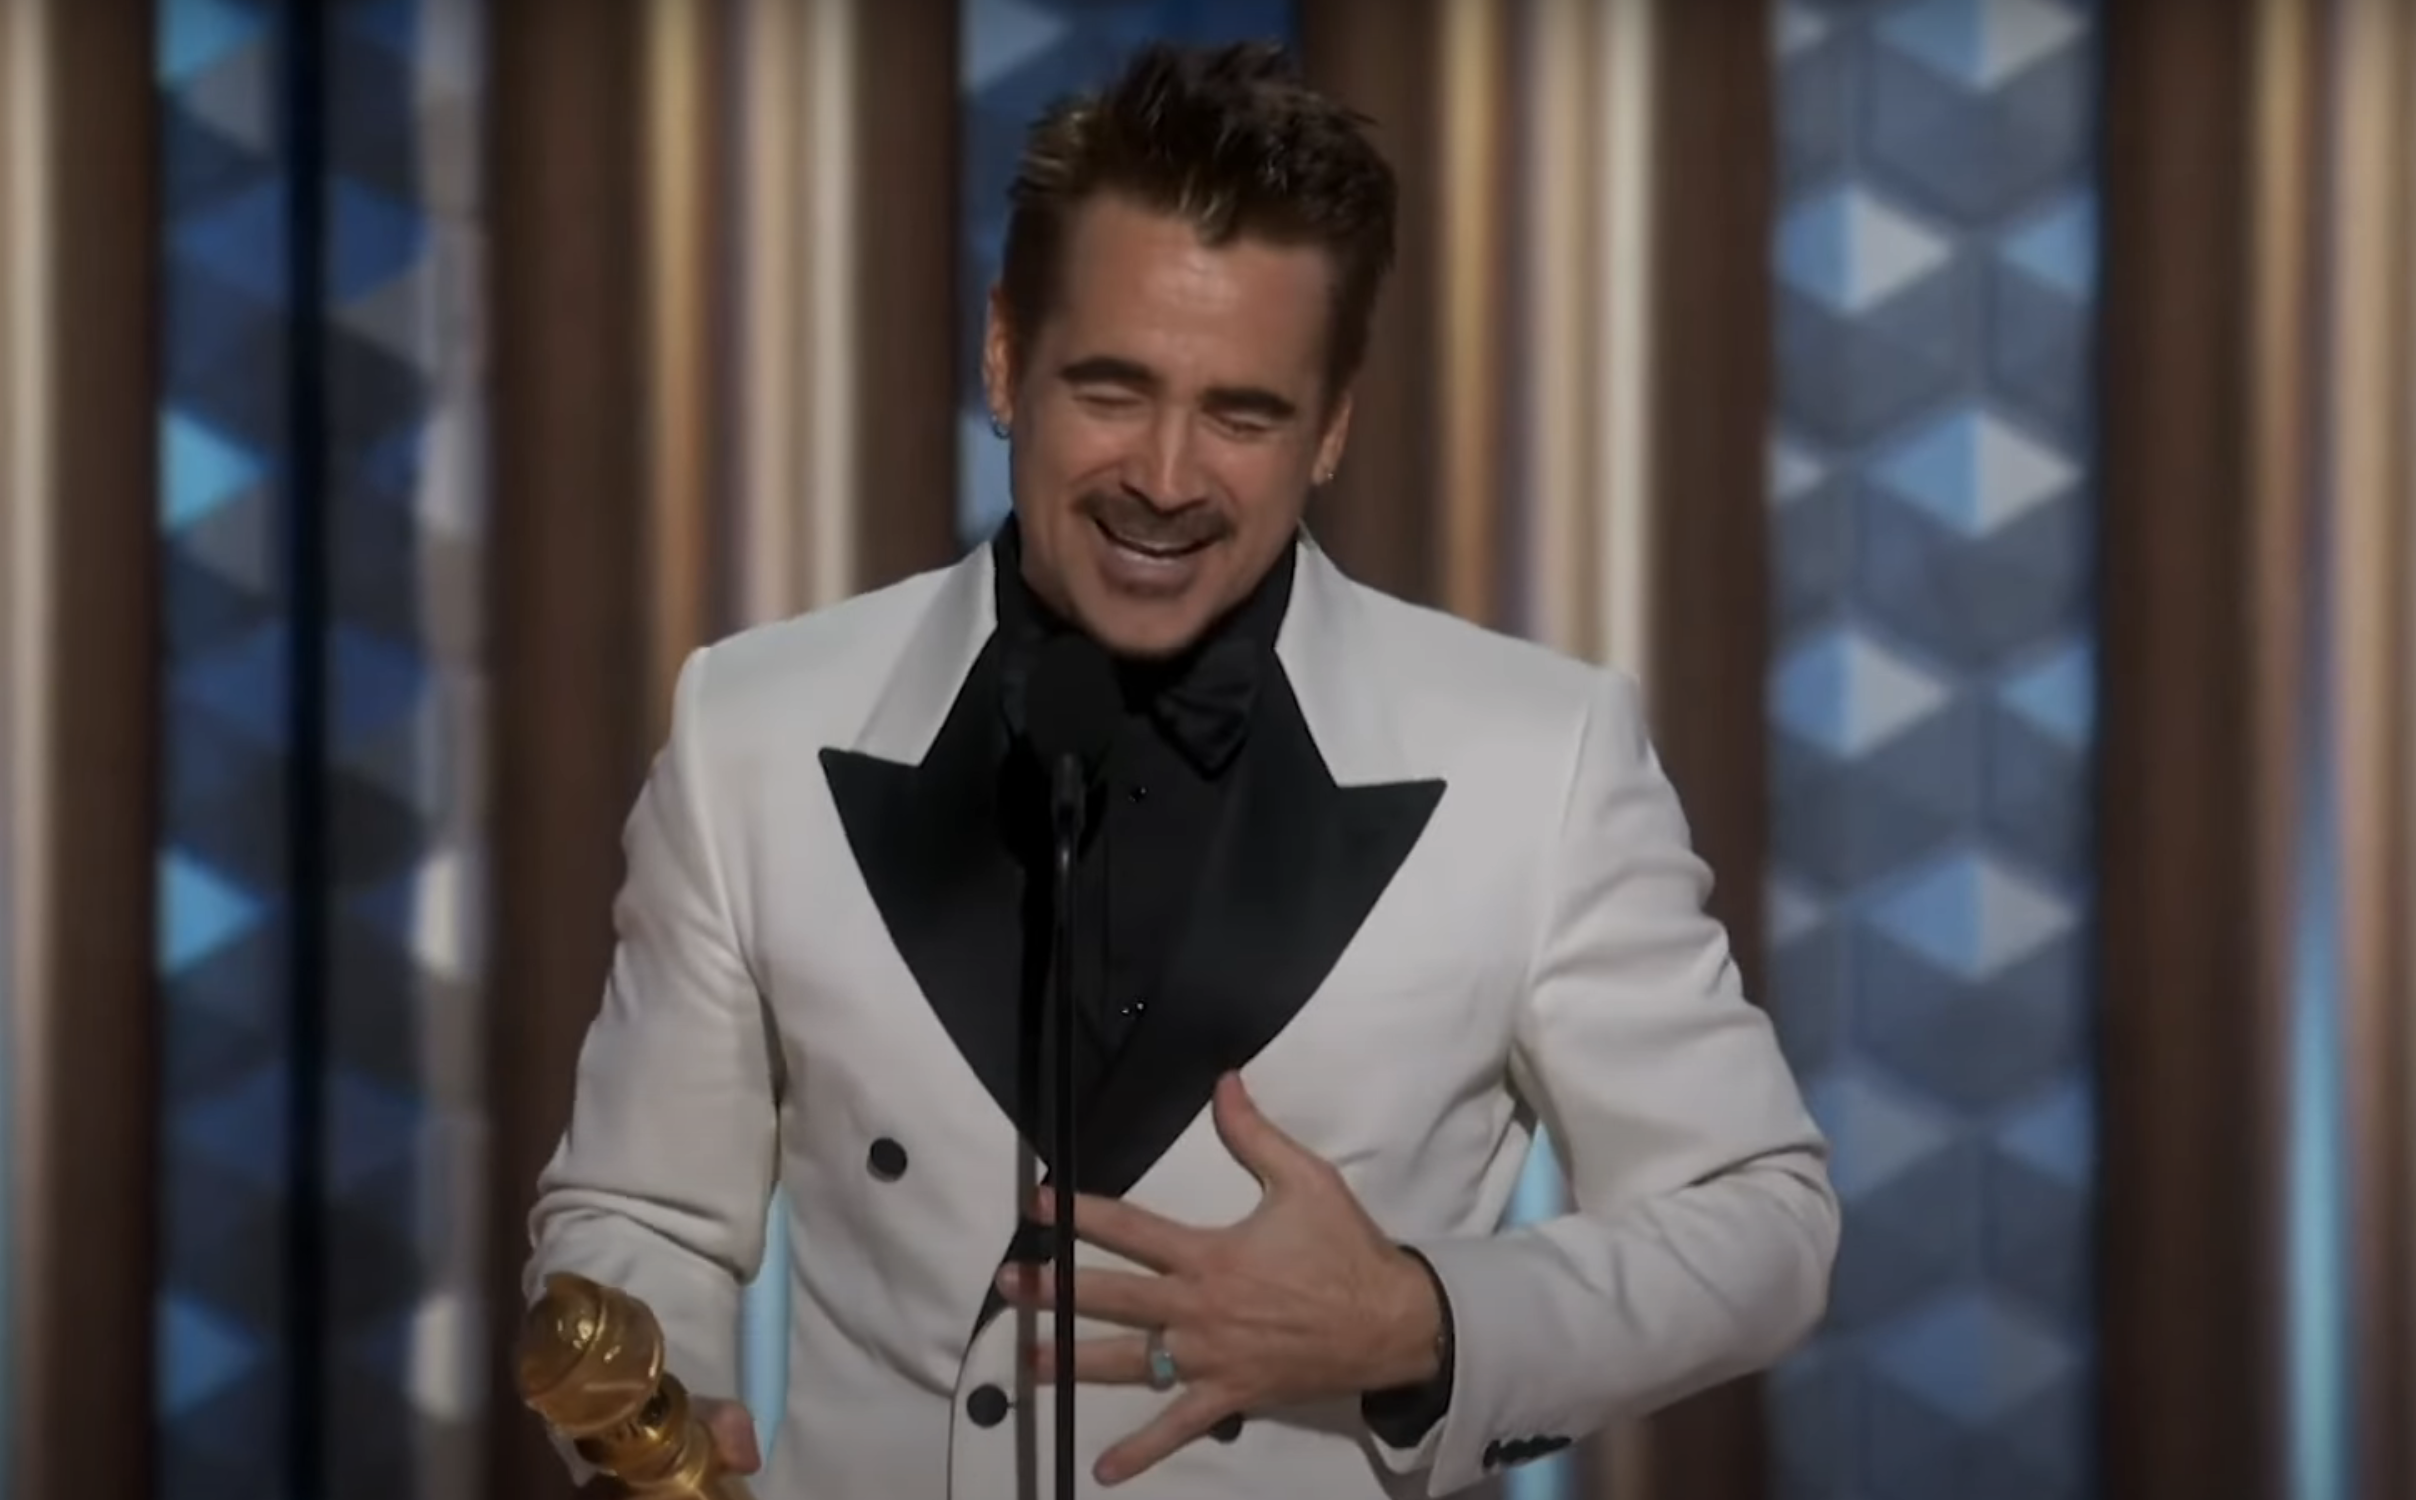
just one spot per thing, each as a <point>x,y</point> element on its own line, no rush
<point>685,61</point>
<point>845,326</point>
<point>1381,518</point>
<point>2287,391</point>
<point>771,560</point>
<point>1584,448</point>
<point>2371,277</point>
<point>1473,199</point>
<point>78,539</point>
<point>1584,439</point>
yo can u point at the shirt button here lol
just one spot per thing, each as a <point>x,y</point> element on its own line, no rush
<point>1139,794</point>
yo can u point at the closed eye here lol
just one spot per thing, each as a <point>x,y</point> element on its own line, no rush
<point>1247,424</point>
<point>1107,400</point>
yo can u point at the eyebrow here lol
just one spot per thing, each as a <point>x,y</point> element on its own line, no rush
<point>1231,400</point>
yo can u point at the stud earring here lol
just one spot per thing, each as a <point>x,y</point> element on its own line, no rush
<point>998,426</point>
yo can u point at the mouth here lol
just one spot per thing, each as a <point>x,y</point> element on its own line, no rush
<point>1153,549</point>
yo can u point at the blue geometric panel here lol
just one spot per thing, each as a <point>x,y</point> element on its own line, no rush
<point>1017,58</point>
<point>199,911</point>
<point>201,471</point>
<point>1973,1357</point>
<point>1849,695</point>
<point>2057,695</point>
<point>226,1072</point>
<point>1973,472</point>
<point>1853,251</point>
<point>402,1407</point>
<point>1850,377</point>
<point>1981,44</point>
<point>390,816</point>
<point>1933,734</point>
<point>1976,107</point>
<point>199,35</point>
<point>1971,916</point>
<point>2058,248</point>
<point>203,1353</point>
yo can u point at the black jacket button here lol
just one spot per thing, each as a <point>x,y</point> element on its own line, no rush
<point>1227,1430</point>
<point>886,1160</point>
<point>986,1405</point>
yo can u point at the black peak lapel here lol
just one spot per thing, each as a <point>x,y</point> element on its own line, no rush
<point>925,842</point>
<point>935,849</point>
<point>1297,865</point>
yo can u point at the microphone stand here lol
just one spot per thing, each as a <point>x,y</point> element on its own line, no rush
<point>1067,794</point>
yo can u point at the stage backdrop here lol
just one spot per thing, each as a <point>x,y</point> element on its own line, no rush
<point>1931,700</point>
<point>319,1309</point>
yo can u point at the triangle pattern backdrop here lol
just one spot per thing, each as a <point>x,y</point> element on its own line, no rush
<point>1932,739</point>
<point>390,1325</point>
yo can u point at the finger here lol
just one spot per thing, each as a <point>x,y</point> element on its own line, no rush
<point>1116,1296</point>
<point>1129,1230</point>
<point>1256,1141</point>
<point>732,1429</point>
<point>1117,1361</point>
<point>1185,1419</point>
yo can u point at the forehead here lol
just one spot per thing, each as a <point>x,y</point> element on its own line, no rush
<point>1142,284</point>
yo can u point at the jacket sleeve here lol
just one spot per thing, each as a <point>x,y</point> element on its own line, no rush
<point>661,1184</point>
<point>1704,1225</point>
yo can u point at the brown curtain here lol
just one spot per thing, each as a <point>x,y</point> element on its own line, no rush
<point>1710,389</point>
<point>699,394</point>
<point>2256,641</point>
<point>1561,428</point>
<point>1381,517</point>
<point>78,519</point>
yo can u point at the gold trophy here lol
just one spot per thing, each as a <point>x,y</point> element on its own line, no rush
<point>591,1365</point>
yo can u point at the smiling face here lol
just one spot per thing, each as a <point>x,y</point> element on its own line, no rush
<point>1169,417</point>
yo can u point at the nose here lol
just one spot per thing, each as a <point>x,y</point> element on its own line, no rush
<point>1168,474</point>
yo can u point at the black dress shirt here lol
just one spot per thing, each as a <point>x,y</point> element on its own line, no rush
<point>1157,806</point>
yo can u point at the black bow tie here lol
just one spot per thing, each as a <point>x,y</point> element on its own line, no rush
<point>1202,703</point>
<point>1205,706</point>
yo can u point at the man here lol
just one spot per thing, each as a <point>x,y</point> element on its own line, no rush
<point>1371,895</point>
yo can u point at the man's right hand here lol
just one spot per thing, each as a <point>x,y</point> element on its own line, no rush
<point>733,1429</point>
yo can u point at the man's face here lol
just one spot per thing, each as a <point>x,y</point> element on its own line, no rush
<point>1169,419</point>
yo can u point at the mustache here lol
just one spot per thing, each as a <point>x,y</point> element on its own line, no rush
<point>1136,520</point>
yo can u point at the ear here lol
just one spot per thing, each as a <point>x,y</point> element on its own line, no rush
<point>1336,437</point>
<point>998,357</point>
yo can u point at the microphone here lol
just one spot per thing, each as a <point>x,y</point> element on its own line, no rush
<point>1070,707</point>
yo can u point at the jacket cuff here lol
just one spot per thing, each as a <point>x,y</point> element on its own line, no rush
<point>1402,1416</point>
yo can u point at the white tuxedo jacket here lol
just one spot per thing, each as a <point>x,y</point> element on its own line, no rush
<point>1477,913</point>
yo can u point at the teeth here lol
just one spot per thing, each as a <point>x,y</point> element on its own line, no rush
<point>1147,549</point>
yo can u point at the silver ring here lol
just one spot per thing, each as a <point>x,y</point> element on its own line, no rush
<point>1163,1376</point>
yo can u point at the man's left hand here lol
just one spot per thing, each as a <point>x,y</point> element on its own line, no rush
<point>1304,1299</point>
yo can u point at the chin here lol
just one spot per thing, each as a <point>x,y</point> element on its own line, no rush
<point>1146,634</point>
